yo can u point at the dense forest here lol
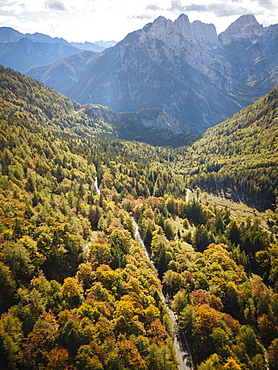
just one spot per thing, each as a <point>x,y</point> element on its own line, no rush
<point>79,292</point>
<point>239,154</point>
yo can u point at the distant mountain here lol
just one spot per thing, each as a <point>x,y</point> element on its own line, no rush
<point>185,69</point>
<point>105,44</point>
<point>62,74</point>
<point>97,46</point>
<point>8,34</point>
<point>22,51</point>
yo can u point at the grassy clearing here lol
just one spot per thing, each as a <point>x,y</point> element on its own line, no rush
<point>238,209</point>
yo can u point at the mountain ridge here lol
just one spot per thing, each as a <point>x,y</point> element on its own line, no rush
<point>239,155</point>
<point>22,51</point>
<point>184,69</point>
<point>160,127</point>
<point>9,34</point>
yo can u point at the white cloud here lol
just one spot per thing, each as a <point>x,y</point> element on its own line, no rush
<point>90,20</point>
<point>55,5</point>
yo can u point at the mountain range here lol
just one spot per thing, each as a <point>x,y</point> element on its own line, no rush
<point>184,68</point>
<point>153,126</point>
<point>22,51</point>
<point>239,153</point>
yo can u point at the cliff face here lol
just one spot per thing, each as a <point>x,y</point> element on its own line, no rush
<point>245,29</point>
<point>183,68</point>
<point>145,118</point>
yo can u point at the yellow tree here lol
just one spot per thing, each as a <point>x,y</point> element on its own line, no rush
<point>72,291</point>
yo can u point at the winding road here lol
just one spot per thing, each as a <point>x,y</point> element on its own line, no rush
<point>180,343</point>
<point>181,346</point>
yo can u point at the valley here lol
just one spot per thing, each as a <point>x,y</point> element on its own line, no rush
<point>126,241</point>
<point>75,279</point>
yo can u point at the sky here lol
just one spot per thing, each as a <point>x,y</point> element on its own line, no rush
<point>95,20</point>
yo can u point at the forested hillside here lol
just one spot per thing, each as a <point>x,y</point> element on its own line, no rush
<point>78,291</point>
<point>239,155</point>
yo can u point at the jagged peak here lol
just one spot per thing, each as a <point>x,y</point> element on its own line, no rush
<point>205,33</point>
<point>183,25</point>
<point>158,29</point>
<point>196,32</point>
<point>245,28</point>
<point>157,23</point>
<point>182,20</point>
<point>160,20</point>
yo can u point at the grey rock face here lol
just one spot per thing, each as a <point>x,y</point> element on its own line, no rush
<point>176,66</point>
<point>244,29</point>
<point>185,69</point>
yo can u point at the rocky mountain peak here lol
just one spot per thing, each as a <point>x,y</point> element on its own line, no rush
<point>8,34</point>
<point>245,28</point>
<point>183,26</point>
<point>183,69</point>
<point>205,34</point>
<point>158,29</point>
<point>174,34</point>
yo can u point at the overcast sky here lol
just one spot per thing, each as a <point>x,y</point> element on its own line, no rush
<point>94,20</point>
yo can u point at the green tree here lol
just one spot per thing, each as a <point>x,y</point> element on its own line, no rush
<point>201,238</point>
<point>272,354</point>
<point>120,241</point>
<point>40,341</point>
<point>169,230</point>
<point>11,336</point>
<point>70,335</point>
<point>233,233</point>
<point>187,319</point>
<point>100,253</point>
<point>8,285</point>
<point>251,343</point>
<point>172,281</point>
<point>17,257</point>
